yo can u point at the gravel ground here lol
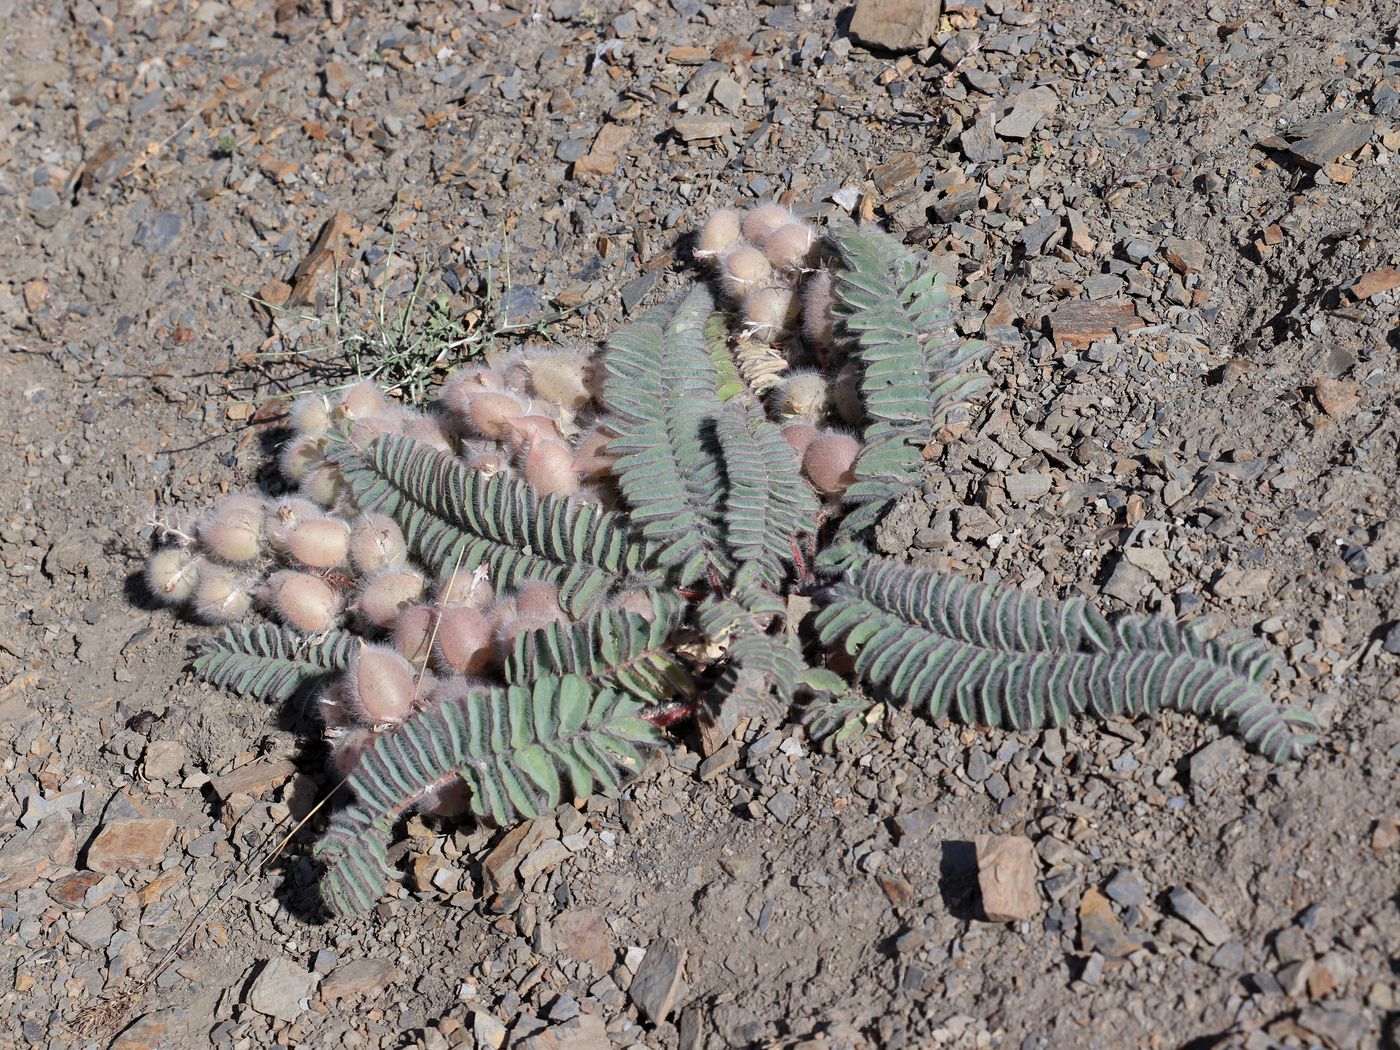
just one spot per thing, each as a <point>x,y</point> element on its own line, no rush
<point>1178,226</point>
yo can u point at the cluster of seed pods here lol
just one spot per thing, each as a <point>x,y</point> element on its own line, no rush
<point>315,561</point>
<point>768,264</point>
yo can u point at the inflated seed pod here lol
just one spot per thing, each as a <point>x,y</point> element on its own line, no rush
<point>319,543</point>
<point>818,321</point>
<point>792,246</point>
<point>466,640</point>
<point>769,311</point>
<point>549,468</point>
<point>760,222</point>
<point>448,798</point>
<point>598,492</point>
<point>487,459</point>
<point>285,515</point>
<point>413,633</point>
<point>366,429</point>
<point>303,601</point>
<point>638,602</point>
<point>348,746</point>
<point>799,435</point>
<point>222,595</point>
<point>490,411</point>
<point>464,588</point>
<point>429,429</point>
<point>845,394</point>
<point>172,574</point>
<point>591,459</point>
<point>742,269</point>
<point>310,415</point>
<point>233,530</point>
<point>562,379</point>
<point>323,484</point>
<point>523,429</point>
<point>379,685</point>
<point>829,462</point>
<point>361,401</point>
<point>720,233</point>
<point>331,704</point>
<point>376,543</point>
<point>539,599</point>
<point>384,595</point>
<point>456,394</point>
<point>300,456</point>
<point>801,396</point>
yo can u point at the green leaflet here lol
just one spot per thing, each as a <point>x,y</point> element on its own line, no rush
<point>662,388</point>
<point>914,367</point>
<point>270,662</point>
<point>449,511</point>
<point>622,650</point>
<point>766,504</point>
<point>522,751</point>
<point>989,656</point>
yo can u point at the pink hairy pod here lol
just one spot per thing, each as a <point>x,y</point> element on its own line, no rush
<point>323,484</point>
<point>466,640</point>
<point>720,232</point>
<point>591,459</point>
<point>305,602</point>
<point>818,321</point>
<point>233,530</point>
<point>172,574</point>
<point>769,312</point>
<point>523,429</point>
<point>379,685</point>
<point>310,415</point>
<point>802,396</point>
<point>793,246</point>
<point>845,394</point>
<point>413,633</point>
<point>549,468</point>
<point>385,594</point>
<point>799,435</point>
<point>742,269</point>
<point>361,401</point>
<point>561,379</point>
<point>763,220</point>
<point>348,746</point>
<point>222,595</point>
<point>319,543</point>
<point>829,462</point>
<point>284,516</point>
<point>376,543</point>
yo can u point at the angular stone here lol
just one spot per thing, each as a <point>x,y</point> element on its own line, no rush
<point>1189,907</point>
<point>1126,887</point>
<point>1214,761</point>
<point>72,890</point>
<point>584,1032</point>
<point>542,858</point>
<point>721,760</point>
<point>130,843</point>
<point>1184,256</point>
<point>1006,873</point>
<point>658,980</point>
<point>1243,583</point>
<point>154,1031</point>
<point>1079,323</point>
<point>280,989</point>
<point>582,934</point>
<point>1375,282</point>
<point>27,856</point>
<point>1325,146</point>
<point>895,25</point>
<point>1100,930</point>
<point>356,977</point>
<point>488,1030</point>
<point>699,126</point>
<point>163,760</point>
<point>1336,397</point>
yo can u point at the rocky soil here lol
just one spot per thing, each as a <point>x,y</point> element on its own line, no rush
<point>1177,222</point>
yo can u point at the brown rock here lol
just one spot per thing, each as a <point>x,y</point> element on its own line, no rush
<point>658,980</point>
<point>1099,929</point>
<point>1376,282</point>
<point>357,977</point>
<point>71,891</point>
<point>27,856</point>
<point>895,25</point>
<point>339,79</point>
<point>1184,256</point>
<point>698,126</point>
<point>1242,583</point>
<point>1385,835</point>
<point>154,889</point>
<point>1079,323</point>
<point>320,259</point>
<point>1336,397</point>
<point>36,294</point>
<point>130,843</point>
<point>688,56</point>
<point>254,778</point>
<point>155,1031</point>
<point>1006,871</point>
<point>585,1032</point>
<point>582,934</point>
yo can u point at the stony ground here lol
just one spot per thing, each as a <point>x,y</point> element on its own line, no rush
<point>1176,221</point>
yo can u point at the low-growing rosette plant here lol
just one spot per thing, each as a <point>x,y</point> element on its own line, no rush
<point>502,601</point>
